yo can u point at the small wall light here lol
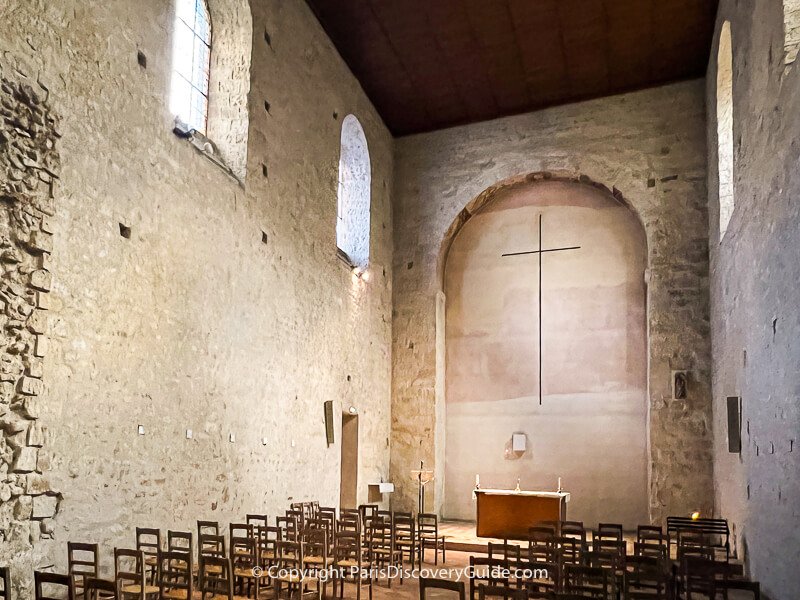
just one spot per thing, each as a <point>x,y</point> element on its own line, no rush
<point>352,410</point>
<point>695,515</point>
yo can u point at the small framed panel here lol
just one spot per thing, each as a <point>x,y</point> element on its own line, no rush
<point>734,424</point>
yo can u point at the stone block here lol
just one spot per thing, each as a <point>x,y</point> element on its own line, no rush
<point>37,322</point>
<point>35,369</point>
<point>36,484</point>
<point>36,433</point>
<point>31,386</point>
<point>25,459</point>
<point>41,242</point>
<point>47,225</point>
<point>43,300</point>
<point>31,407</point>
<point>44,507</point>
<point>23,507</point>
<point>40,346</point>
<point>41,280</point>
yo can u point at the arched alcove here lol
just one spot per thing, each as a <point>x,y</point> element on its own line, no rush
<point>591,427</point>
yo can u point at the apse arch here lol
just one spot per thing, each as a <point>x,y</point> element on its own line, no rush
<point>472,281</point>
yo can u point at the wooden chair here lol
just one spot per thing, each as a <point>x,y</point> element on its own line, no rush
<point>149,542</point>
<point>349,560</point>
<point>384,553</point>
<point>268,538</point>
<point>59,583</point>
<point>176,575</point>
<point>501,591</point>
<point>542,544</point>
<point>130,574</point>
<point>317,554</point>
<point>428,536</point>
<point>647,578</point>
<point>405,535</point>
<point>570,551</point>
<point>215,578</point>
<point>573,529</point>
<point>289,570</point>
<point>210,545</point>
<point>245,564</point>
<point>646,534</point>
<point>703,576</point>
<point>96,588</point>
<point>426,583</point>
<point>367,512</point>
<point>83,562</point>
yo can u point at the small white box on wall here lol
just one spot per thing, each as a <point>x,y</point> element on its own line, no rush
<point>519,442</point>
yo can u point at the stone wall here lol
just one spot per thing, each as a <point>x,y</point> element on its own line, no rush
<point>29,168</point>
<point>650,147</point>
<point>182,300</point>
<point>755,269</point>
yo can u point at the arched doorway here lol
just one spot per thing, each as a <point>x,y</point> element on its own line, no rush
<point>591,426</point>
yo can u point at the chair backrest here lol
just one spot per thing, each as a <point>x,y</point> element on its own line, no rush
<point>148,541</point>
<point>368,511</point>
<point>647,574</point>
<point>570,551</point>
<point>129,569</point>
<point>347,546</point>
<point>573,529</point>
<point>83,562</point>
<point>289,526</point>
<point>207,527</point>
<point>179,541</point>
<point>504,550</point>
<point>60,586</point>
<point>211,545</point>
<point>428,523</point>
<point>241,531</point>
<point>96,587</point>
<point>609,531</point>
<point>428,583</point>
<point>175,572</point>
<point>542,544</point>
<point>653,549</point>
<point>215,577</point>
<point>646,534</point>
<point>609,554</point>
<point>539,579</point>
<point>257,520</point>
<point>712,528</point>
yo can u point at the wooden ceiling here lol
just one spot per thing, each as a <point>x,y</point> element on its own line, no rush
<point>429,64</point>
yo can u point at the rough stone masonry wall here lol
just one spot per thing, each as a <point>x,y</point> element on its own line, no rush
<point>648,145</point>
<point>755,270</point>
<point>193,321</point>
<point>28,171</point>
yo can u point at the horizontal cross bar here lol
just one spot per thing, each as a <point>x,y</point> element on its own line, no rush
<point>541,251</point>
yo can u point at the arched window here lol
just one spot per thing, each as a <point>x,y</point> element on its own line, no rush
<point>725,127</point>
<point>355,178</point>
<point>191,60</point>
<point>791,30</point>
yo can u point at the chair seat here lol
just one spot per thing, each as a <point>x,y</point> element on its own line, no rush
<point>317,560</point>
<point>224,597</point>
<point>151,561</point>
<point>294,578</point>
<point>348,563</point>
<point>175,594</point>
<point>268,555</point>
<point>244,572</point>
<point>137,589</point>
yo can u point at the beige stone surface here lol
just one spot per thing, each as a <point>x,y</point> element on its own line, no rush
<point>193,322</point>
<point>755,270</point>
<point>648,145</point>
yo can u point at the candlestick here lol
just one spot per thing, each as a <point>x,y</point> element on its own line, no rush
<point>559,484</point>
<point>477,480</point>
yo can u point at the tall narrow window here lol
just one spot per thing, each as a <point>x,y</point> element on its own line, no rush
<point>725,127</point>
<point>355,179</point>
<point>191,60</point>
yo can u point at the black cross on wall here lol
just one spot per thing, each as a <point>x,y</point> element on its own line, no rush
<point>540,252</point>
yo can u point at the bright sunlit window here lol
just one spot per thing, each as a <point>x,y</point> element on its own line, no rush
<point>191,59</point>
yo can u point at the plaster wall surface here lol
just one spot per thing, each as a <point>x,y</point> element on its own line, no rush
<point>193,322</point>
<point>650,146</point>
<point>755,269</point>
<point>591,428</point>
